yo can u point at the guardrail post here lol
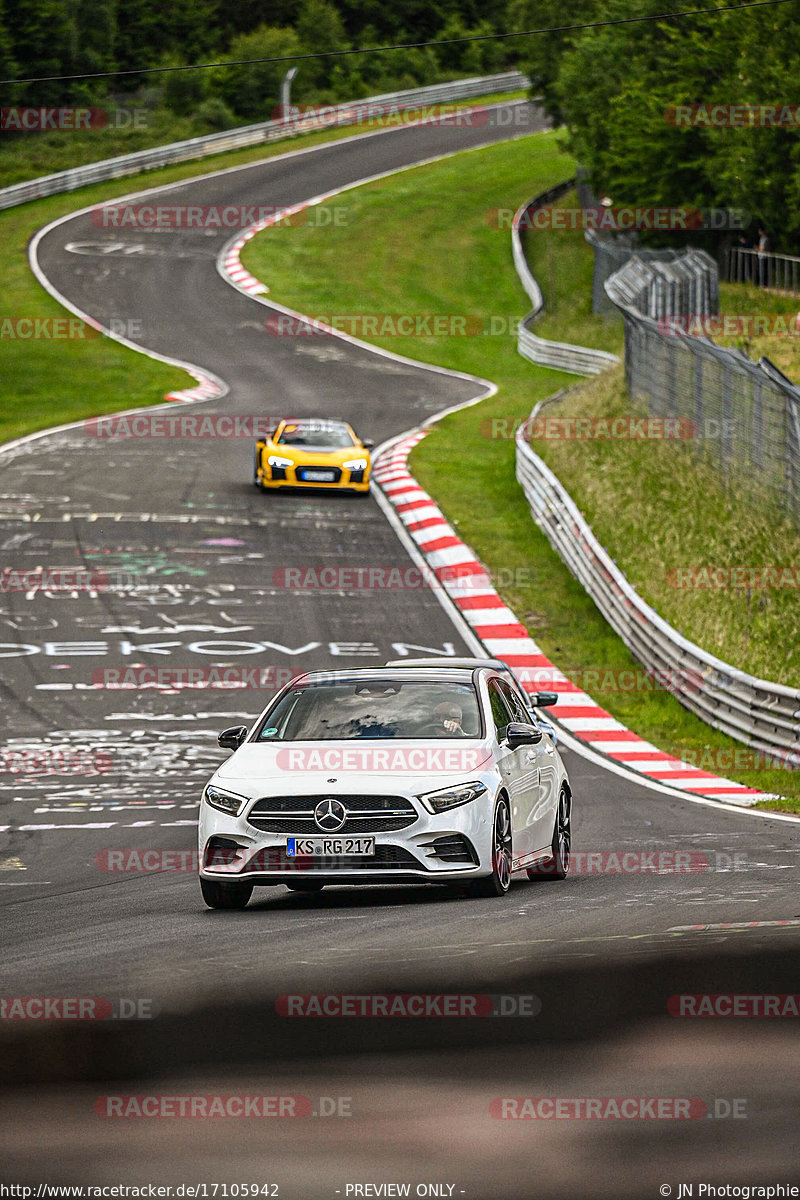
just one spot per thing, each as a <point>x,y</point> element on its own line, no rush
<point>699,403</point>
<point>727,419</point>
<point>757,439</point>
<point>286,92</point>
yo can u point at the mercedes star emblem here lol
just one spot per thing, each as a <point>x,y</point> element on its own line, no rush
<point>330,815</point>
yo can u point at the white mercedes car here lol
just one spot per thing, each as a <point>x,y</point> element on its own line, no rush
<point>386,775</point>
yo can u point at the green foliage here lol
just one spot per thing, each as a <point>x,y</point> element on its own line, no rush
<point>67,38</point>
<point>185,91</point>
<point>319,27</point>
<point>43,40</point>
<point>8,67</point>
<point>614,87</point>
<point>212,116</point>
<point>253,92</point>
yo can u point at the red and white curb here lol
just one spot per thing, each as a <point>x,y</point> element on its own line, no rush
<point>207,389</point>
<point>229,263</point>
<point>467,583</point>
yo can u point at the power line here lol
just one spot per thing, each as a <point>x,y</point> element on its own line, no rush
<point>478,37</point>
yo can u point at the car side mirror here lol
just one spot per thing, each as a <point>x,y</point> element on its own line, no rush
<point>549,729</point>
<point>518,734</point>
<point>544,699</point>
<point>231,739</point>
<point>367,443</point>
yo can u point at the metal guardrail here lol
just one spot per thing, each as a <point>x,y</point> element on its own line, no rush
<point>561,356</point>
<point>741,264</point>
<point>761,714</point>
<point>251,135</point>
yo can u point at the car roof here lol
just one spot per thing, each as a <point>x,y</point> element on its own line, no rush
<point>314,422</point>
<point>448,661</point>
<point>385,672</point>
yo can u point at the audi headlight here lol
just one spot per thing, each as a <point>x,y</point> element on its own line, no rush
<point>227,802</point>
<point>355,464</point>
<point>451,797</point>
<point>275,460</point>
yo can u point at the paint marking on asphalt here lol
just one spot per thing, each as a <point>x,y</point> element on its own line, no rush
<point>92,825</point>
<point>451,950</point>
<point>13,863</point>
<point>733,925</point>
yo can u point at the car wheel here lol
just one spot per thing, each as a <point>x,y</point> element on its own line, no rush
<point>557,866</point>
<point>498,883</point>
<point>305,885</point>
<point>225,895</point>
<point>256,477</point>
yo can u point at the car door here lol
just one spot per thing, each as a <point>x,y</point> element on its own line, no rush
<point>540,762</point>
<point>520,771</point>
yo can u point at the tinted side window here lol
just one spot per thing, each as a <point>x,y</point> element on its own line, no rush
<point>501,714</point>
<point>520,713</point>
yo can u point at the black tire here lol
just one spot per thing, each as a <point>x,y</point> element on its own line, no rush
<point>256,463</point>
<point>305,885</point>
<point>225,895</point>
<point>557,866</point>
<point>498,883</point>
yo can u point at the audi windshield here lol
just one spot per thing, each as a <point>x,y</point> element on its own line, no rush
<point>388,708</point>
<point>319,436</point>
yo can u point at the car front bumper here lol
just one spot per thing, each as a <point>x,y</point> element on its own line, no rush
<point>231,848</point>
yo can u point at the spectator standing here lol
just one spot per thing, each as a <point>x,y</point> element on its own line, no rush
<point>762,246</point>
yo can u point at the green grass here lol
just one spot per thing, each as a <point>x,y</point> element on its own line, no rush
<point>746,300</point>
<point>625,488</point>
<point>23,158</point>
<point>425,241</point>
<point>445,259</point>
<point>27,157</point>
<point>49,382</point>
<point>563,265</point>
<point>46,383</point>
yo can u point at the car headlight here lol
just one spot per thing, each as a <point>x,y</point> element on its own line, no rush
<point>355,464</point>
<point>275,460</point>
<point>227,802</point>
<point>451,797</point>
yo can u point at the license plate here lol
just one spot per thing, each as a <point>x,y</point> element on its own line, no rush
<point>319,476</point>
<point>361,847</point>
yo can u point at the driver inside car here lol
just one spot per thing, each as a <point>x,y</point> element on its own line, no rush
<point>450,716</point>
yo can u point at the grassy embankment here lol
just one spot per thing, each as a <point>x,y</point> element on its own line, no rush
<point>51,381</point>
<point>651,505</point>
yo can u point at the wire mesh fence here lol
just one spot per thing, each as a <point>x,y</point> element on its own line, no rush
<point>745,416</point>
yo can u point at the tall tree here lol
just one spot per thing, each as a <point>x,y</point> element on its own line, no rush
<point>253,92</point>
<point>8,67</point>
<point>43,42</point>
<point>319,27</point>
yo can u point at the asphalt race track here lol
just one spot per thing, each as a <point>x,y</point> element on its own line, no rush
<point>204,551</point>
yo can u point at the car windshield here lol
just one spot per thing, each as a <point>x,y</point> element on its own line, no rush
<point>375,708</point>
<point>333,436</point>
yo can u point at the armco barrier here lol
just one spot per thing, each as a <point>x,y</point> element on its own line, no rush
<point>581,360</point>
<point>251,135</point>
<point>492,622</point>
<point>762,714</point>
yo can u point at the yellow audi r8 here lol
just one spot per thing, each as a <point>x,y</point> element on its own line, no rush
<point>313,453</point>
